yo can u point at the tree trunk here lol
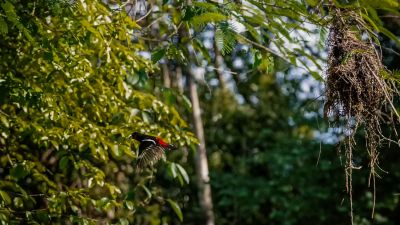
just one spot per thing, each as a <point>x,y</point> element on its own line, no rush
<point>166,76</point>
<point>219,62</point>
<point>179,79</point>
<point>203,179</point>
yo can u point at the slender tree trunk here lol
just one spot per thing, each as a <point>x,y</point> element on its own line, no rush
<point>219,62</point>
<point>179,79</point>
<point>166,76</point>
<point>203,179</point>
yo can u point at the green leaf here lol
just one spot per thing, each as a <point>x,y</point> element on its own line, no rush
<point>6,198</point>
<point>90,182</point>
<point>48,56</point>
<point>257,58</point>
<point>208,17</point>
<point>131,23</point>
<point>158,54</point>
<point>19,171</point>
<point>253,32</point>
<point>114,190</point>
<point>63,162</point>
<point>176,209</point>
<point>312,3</point>
<point>316,76</point>
<point>225,37</point>
<point>323,34</point>
<point>123,221</point>
<point>371,22</point>
<point>5,121</point>
<point>90,28</point>
<point>172,169</point>
<point>129,205</point>
<point>116,151</point>
<point>18,202</point>
<point>3,26</point>
<point>187,102</point>
<point>148,192</point>
<point>382,4</point>
<point>132,79</point>
<point>146,117</point>
<point>183,173</point>
<point>169,96</point>
<point>390,35</point>
<point>199,46</point>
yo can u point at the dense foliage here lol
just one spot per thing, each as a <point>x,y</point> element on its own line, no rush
<point>70,81</point>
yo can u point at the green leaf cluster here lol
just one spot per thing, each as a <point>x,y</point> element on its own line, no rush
<point>70,97</point>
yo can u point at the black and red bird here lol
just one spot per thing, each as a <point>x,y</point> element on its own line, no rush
<point>151,149</point>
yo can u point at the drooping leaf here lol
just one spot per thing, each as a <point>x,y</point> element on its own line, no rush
<point>6,198</point>
<point>176,209</point>
<point>183,173</point>
<point>3,26</point>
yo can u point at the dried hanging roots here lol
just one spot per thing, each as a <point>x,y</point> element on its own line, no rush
<point>356,91</point>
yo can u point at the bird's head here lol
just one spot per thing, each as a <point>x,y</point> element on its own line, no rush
<point>136,135</point>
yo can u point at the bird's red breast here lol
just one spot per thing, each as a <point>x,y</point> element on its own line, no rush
<point>161,142</point>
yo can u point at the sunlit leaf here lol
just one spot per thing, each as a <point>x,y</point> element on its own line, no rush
<point>6,198</point>
<point>129,205</point>
<point>183,173</point>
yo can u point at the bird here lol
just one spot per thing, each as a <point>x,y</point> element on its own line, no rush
<point>151,149</point>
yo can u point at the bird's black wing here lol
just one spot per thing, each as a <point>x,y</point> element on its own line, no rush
<point>150,155</point>
<point>145,143</point>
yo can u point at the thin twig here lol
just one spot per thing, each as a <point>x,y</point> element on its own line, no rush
<point>222,70</point>
<point>176,31</point>
<point>384,91</point>
<point>155,21</point>
<point>263,47</point>
<point>1,111</point>
<point>390,16</point>
<point>391,50</point>
<point>147,14</point>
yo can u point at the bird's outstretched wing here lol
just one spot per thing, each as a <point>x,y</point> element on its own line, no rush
<point>150,155</point>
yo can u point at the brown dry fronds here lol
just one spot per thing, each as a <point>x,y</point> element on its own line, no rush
<point>356,91</point>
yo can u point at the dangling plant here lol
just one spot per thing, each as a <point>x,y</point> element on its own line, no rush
<point>356,90</point>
